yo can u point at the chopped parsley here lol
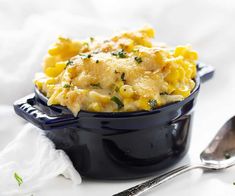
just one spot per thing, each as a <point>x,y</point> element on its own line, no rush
<point>70,62</point>
<point>118,102</point>
<point>123,77</point>
<point>18,179</point>
<point>86,44</point>
<point>164,93</point>
<point>153,104</point>
<point>92,39</point>
<point>116,89</point>
<point>227,155</point>
<point>86,56</point>
<point>138,59</point>
<point>67,86</point>
<point>96,85</point>
<point>120,54</point>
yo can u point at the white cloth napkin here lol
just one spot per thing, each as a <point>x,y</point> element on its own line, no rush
<point>34,158</point>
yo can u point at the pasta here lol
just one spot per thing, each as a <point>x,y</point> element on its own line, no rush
<point>127,72</point>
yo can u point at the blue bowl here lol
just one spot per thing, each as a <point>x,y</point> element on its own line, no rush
<point>120,145</point>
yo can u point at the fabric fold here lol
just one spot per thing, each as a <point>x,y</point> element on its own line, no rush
<point>33,157</point>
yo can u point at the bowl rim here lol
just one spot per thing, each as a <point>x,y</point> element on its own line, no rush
<point>166,107</point>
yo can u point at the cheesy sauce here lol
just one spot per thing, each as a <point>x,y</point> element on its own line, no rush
<point>126,72</point>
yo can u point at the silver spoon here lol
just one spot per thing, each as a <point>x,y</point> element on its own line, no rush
<point>220,154</point>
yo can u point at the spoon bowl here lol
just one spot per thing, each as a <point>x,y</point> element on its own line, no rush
<point>219,154</point>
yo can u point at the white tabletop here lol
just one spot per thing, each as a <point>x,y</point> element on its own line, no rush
<point>27,28</point>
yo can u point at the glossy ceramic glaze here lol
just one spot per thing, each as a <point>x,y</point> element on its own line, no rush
<point>117,145</point>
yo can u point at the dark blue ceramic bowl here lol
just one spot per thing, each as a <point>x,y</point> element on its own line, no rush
<point>119,145</point>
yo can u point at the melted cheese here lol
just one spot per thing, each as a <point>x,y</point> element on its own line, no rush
<point>126,72</point>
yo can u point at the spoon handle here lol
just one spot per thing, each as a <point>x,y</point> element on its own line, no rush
<point>145,186</point>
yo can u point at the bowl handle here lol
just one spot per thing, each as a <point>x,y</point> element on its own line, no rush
<point>26,108</point>
<point>205,71</point>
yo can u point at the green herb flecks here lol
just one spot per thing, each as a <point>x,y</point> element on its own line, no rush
<point>116,88</point>
<point>120,54</point>
<point>138,59</point>
<point>164,93</point>
<point>67,86</point>
<point>70,62</point>
<point>123,77</point>
<point>96,85</point>
<point>153,104</point>
<point>86,56</point>
<point>18,179</point>
<point>227,155</point>
<point>118,102</point>
<point>86,44</point>
<point>92,39</point>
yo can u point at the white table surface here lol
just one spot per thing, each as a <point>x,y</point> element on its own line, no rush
<point>208,25</point>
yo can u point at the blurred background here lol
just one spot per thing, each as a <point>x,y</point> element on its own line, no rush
<point>28,27</point>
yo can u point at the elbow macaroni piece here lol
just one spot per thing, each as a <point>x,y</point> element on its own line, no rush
<point>126,72</point>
